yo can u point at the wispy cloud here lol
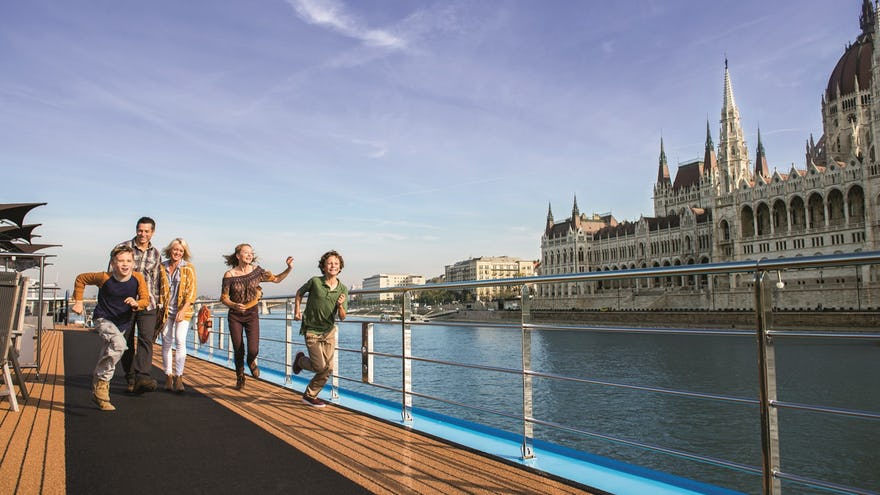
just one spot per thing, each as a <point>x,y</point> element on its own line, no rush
<point>333,15</point>
<point>376,149</point>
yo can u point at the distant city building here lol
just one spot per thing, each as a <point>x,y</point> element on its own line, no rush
<point>726,207</point>
<point>383,280</point>
<point>489,268</point>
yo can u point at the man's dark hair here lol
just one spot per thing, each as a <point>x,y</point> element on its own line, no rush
<point>146,220</point>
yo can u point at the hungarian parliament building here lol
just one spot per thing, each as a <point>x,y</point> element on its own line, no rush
<point>730,207</point>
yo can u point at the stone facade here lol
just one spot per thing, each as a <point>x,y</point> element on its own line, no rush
<point>383,280</point>
<point>727,207</point>
<point>490,268</point>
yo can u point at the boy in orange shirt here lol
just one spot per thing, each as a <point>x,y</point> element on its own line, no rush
<point>121,292</point>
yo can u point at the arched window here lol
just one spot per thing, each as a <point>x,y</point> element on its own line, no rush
<point>797,213</point>
<point>747,221</point>
<point>780,216</point>
<point>816,211</point>
<point>855,201</point>
<point>725,231</point>
<point>835,207</point>
<point>763,219</point>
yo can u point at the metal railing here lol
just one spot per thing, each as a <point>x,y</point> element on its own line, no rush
<point>765,335</point>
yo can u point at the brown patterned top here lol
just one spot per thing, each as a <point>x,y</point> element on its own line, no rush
<point>245,289</point>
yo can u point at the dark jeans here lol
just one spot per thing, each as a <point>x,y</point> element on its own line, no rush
<point>138,359</point>
<point>247,321</point>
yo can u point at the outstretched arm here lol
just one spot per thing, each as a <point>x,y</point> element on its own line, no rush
<point>281,276</point>
<point>79,286</point>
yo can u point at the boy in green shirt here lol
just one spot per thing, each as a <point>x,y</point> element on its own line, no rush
<point>327,303</point>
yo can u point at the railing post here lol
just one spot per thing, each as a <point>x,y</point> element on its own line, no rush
<point>367,352</point>
<point>334,377</point>
<point>406,352</point>
<point>226,342</point>
<point>213,336</point>
<point>288,341</point>
<point>767,389</point>
<point>528,434</point>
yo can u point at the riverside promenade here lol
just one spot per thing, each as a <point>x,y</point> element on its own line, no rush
<point>215,439</point>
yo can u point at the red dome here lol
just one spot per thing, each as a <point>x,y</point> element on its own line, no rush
<point>855,63</point>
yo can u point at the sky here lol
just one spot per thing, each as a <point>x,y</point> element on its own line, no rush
<point>407,135</point>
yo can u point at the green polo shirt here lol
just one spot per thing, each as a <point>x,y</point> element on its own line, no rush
<point>320,313</point>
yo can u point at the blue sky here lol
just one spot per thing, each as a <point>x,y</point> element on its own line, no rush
<point>408,135</point>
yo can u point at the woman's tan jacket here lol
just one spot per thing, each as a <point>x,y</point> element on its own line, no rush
<point>186,293</point>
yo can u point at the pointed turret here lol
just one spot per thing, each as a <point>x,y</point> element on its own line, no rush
<point>761,168</point>
<point>549,225</point>
<point>733,157</point>
<point>866,18</point>
<point>663,172</point>
<point>710,163</point>
<point>575,214</point>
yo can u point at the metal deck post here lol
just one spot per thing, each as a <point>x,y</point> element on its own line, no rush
<point>406,352</point>
<point>528,433</point>
<point>767,392</point>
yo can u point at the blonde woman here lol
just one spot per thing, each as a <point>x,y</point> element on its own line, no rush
<point>180,294</point>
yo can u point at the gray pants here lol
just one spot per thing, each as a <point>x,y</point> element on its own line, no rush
<point>113,345</point>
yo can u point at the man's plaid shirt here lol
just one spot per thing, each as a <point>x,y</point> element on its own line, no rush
<point>148,262</point>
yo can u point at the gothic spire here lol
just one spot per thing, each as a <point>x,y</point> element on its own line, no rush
<point>866,18</point>
<point>575,212</point>
<point>733,157</point>
<point>761,168</point>
<point>663,172</point>
<point>729,105</point>
<point>709,143</point>
<point>710,163</point>
<point>549,212</point>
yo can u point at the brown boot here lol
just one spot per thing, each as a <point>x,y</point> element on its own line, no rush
<point>101,389</point>
<point>101,395</point>
<point>239,379</point>
<point>178,384</point>
<point>169,382</point>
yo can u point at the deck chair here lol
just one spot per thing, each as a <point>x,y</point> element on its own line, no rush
<point>17,335</point>
<point>9,301</point>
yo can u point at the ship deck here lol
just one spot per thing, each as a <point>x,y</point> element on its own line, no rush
<point>213,438</point>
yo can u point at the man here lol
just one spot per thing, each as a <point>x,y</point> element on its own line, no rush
<point>137,361</point>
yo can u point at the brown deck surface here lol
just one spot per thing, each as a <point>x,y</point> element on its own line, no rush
<point>378,456</point>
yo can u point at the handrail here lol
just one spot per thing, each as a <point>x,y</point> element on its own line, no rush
<point>767,402</point>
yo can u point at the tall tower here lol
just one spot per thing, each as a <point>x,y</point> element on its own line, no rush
<point>575,215</point>
<point>762,170</point>
<point>870,22</point>
<point>663,187</point>
<point>847,116</point>
<point>733,156</point>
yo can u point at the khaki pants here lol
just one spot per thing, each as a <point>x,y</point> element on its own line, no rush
<point>321,348</point>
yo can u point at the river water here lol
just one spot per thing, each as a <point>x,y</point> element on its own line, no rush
<point>829,373</point>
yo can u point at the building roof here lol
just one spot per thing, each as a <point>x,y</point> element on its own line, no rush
<point>854,67</point>
<point>688,175</point>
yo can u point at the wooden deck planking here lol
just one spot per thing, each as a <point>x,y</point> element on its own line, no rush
<point>381,457</point>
